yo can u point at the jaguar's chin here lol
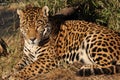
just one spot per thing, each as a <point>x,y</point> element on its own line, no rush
<point>31,43</point>
<point>34,44</point>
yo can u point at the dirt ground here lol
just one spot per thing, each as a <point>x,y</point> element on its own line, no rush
<point>9,31</point>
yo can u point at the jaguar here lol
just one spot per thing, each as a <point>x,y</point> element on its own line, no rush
<point>48,43</point>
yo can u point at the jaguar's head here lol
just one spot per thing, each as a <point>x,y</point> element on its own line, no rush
<point>34,24</point>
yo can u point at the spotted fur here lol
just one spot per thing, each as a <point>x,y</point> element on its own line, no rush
<point>96,47</point>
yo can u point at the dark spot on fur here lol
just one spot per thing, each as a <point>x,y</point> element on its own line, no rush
<point>117,57</point>
<point>111,50</point>
<point>40,71</point>
<point>37,66</point>
<point>94,35</point>
<point>73,56</point>
<point>91,33</point>
<point>29,68</point>
<point>98,62</point>
<point>114,62</point>
<point>42,66</point>
<point>119,48</point>
<point>99,50</point>
<point>88,37</point>
<point>43,58</point>
<point>67,62</point>
<point>102,34</point>
<point>112,69</point>
<point>30,65</point>
<point>74,48</point>
<point>99,58</point>
<point>97,71</point>
<point>43,50</point>
<point>87,46</point>
<point>93,54</point>
<point>111,37</point>
<point>64,56</point>
<point>32,70</point>
<point>77,48</point>
<point>104,55</point>
<point>103,44</point>
<point>91,46</point>
<point>111,56</point>
<point>82,61</point>
<point>94,49</point>
<point>107,39</point>
<point>114,54</point>
<point>106,70</point>
<point>118,52</point>
<point>47,66</point>
<point>93,39</point>
<point>99,43</point>
<point>88,72</point>
<point>108,57</point>
<point>60,51</point>
<point>81,72</point>
<point>99,54</point>
<point>41,54</point>
<point>77,56</point>
<point>38,62</point>
<point>102,64</point>
<point>33,74</point>
<point>88,40</point>
<point>70,49</point>
<point>105,60</point>
<point>115,47</point>
<point>61,35</point>
<point>97,32</point>
<point>99,37</point>
<point>53,64</point>
<point>104,49</point>
<point>67,55</point>
<point>111,44</point>
<point>20,77</point>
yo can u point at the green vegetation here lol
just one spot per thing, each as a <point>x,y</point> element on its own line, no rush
<point>104,12</point>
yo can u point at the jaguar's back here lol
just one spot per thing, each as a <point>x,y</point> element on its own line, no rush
<point>97,47</point>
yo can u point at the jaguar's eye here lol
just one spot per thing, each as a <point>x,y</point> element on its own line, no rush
<point>38,28</point>
<point>44,31</point>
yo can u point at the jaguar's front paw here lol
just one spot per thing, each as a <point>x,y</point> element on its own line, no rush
<point>12,78</point>
<point>6,75</point>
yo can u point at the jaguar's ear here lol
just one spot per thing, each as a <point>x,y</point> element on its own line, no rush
<point>20,12</point>
<point>45,11</point>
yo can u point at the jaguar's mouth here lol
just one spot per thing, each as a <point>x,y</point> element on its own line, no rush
<point>32,42</point>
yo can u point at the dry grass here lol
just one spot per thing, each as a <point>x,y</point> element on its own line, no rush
<point>9,31</point>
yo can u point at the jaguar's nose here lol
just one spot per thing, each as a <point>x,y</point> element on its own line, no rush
<point>32,39</point>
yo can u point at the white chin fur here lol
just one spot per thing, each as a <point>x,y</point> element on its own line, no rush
<point>29,42</point>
